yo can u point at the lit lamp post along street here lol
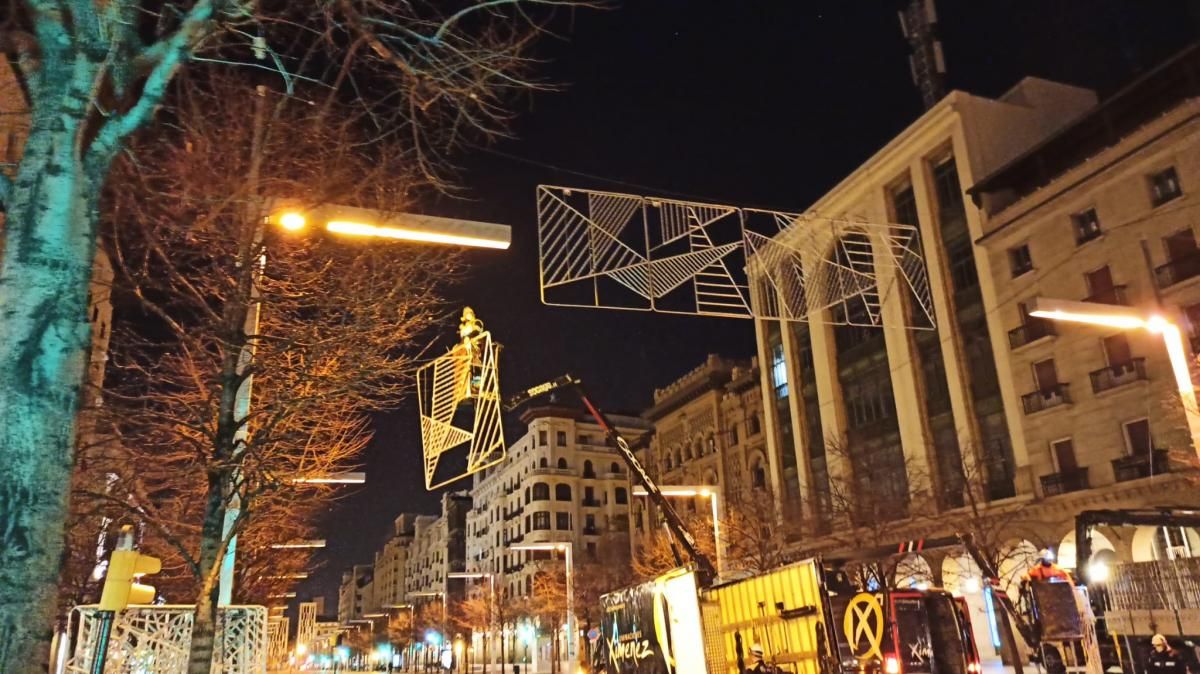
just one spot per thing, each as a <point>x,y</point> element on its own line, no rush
<point>564,548</point>
<point>701,491</point>
<point>353,222</point>
<point>1127,318</point>
<point>491,578</point>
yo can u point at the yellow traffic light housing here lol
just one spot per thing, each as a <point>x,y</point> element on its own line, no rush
<point>120,586</point>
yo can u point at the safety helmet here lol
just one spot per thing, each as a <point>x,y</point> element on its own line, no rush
<point>757,649</point>
<point>1158,640</point>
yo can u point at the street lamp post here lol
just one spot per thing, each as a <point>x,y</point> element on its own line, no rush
<point>347,221</point>
<point>1127,318</point>
<point>491,577</point>
<point>565,548</point>
<point>702,491</point>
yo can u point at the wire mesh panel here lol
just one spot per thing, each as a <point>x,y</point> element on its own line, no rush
<point>156,640</point>
<point>621,251</point>
<point>459,398</point>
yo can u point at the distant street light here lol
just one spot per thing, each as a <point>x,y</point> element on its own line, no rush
<point>315,543</point>
<point>1127,318</point>
<point>702,491</point>
<point>565,548</point>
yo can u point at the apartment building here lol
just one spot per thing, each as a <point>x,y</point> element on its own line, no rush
<point>707,431</point>
<point>561,483</point>
<point>390,566</point>
<point>354,593</point>
<point>1103,212</point>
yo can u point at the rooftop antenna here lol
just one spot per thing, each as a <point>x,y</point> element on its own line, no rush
<point>918,23</point>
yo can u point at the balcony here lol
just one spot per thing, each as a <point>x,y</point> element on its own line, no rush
<point>589,475</point>
<point>1140,465</point>
<point>509,515</point>
<point>552,471</point>
<point>1047,398</point>
<point>1107,378</point>
<point>1113,295</point>
<point>1065,482</point>
<point>1177,271</point>
<point>1033,330</point>
<point>591,503</point>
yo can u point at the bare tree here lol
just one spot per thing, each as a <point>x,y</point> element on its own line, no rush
<point>657,551</point>
<point>753,543</point>
<point>428,75</point>
<point>324,329</point>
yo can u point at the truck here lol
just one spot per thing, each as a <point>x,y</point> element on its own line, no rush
<point>807,618</point>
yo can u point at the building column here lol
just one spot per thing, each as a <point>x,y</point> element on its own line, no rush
<point>770,419</point>
<point>829,392</point>
<point>799,438</point>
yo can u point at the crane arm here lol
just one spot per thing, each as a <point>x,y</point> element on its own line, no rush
<point>704,566</point>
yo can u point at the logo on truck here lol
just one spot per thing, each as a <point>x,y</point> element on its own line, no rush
<point>863,626</point>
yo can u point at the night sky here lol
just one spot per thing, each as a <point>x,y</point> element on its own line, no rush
<point>747,102</point>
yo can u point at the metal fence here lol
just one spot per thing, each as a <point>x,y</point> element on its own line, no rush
<point>1172,584</point>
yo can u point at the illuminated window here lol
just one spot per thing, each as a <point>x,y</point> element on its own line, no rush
<point>779,371</point>
<point>1164,187</point>
<point>541,520</point>
<point>1087,225</point>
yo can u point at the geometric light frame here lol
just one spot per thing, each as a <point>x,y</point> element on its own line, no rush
<point>467,374</point>
<point>612,250</point>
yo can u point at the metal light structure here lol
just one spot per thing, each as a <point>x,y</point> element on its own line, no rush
<point>697,491</point>
<point>566,549</point>
<point>313,543</point>
<point>448,387</point>
<point>411,227</point>
<point>1127,318</point>
<point>623,251</point>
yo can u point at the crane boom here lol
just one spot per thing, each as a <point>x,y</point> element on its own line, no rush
<point>704,565</point>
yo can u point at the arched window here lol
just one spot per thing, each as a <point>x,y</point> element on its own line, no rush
<point>621,495</point>
<point>678,457</point>
<point>562,463</point>
<point>752,425</point>
<point>759,474</point>
<point>688,453</point>
<point>588,470</point>
<point>562,492</point>
<point>544,462</point>
<point>614,468</point>
<point>668,460</point>
<point>527,495</point>
<point>541,491</point>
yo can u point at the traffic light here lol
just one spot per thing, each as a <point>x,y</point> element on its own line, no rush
<point>120,586</point>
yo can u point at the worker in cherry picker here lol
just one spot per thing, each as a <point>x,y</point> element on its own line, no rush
<point>1046,570</point>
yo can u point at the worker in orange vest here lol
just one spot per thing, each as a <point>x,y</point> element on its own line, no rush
<point>1047,570</point>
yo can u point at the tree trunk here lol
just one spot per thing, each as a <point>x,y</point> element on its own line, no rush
<point>50,234</point>
<point>200,657</point>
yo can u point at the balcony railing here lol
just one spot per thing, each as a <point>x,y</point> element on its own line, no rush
<point>1118,374</point>
<point>1140,465</point>
<point>1113,295</point>
<point>1177,271</point>
<point>1033,329</point>
<point>1046,398</point>
<point>1065,482</point>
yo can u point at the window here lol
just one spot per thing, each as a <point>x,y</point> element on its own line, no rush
<point>752,425</point>
<point>527,496</point>
<point>1019,260</point>
<point>1137,436</point>
<point>779,371</point>
<point>759,474</point>
<point>621,495</point>
<point>615,469</point>
<point>589,523</point>
<point>1064,455</point>
<point>963,275</point>
<point>1164,186</point>
<point>1116,349</point>
<point>1101,287</point>
<point>543,462</point>
<point>541,521</point>
<point>904,206</point>
<point>560,438</point>
<point>1045,375</point>
<point>583,439</point>
<point>1086,225</point>
<point>542,438</point>
<point>562,492</point>
<point>562,521</point>
<point>589,494</point>
<point>588,470</point>
<point>541,491</point>
<point>562,463</point>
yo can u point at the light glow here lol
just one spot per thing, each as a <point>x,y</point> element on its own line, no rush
<point>292,221</point>
<point>335,478</point>
<point>1101,319</point>
<point>363,229</point>
<point>971,585</point>
<point>316,543</point>
<point>1098,572</point>
<point>891,665</point>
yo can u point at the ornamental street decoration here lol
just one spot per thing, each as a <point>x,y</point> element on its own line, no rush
<point>459,398</point>
<point>621,251</point>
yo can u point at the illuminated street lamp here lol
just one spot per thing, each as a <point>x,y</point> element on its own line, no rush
<point>491,577</point>
<point>701,491</point>
<point>314,543</point>
<point>564,548</point>
<point>1126,318</point>
<point>365,222</point>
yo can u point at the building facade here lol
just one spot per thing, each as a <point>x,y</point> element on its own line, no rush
<point>707,431</point>
<point>1104,212</point>
<point>561,483</point>
<point>354,593</point>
